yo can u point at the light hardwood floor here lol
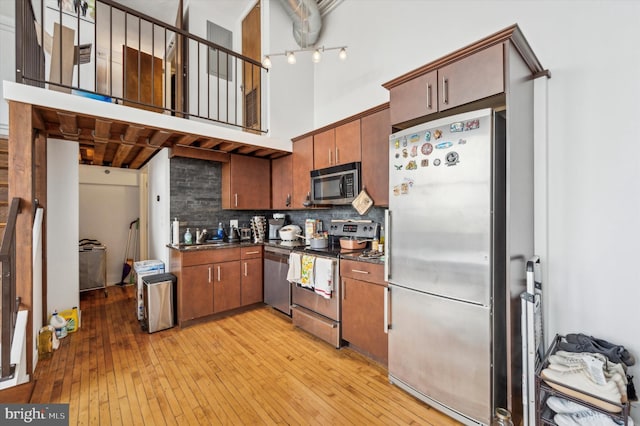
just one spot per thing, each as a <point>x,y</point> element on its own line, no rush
<point>251,368</point>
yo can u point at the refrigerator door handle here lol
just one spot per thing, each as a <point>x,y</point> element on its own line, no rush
<point>387,292</point>
<point>387,257</point>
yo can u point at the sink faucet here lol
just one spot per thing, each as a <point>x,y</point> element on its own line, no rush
<point>204,235</point>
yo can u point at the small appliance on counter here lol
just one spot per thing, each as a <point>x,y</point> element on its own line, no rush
<point>259,228</point>
<point>245,233</point>
<point>311,228</point>
<point>290,233</point>
<point>278,221</point>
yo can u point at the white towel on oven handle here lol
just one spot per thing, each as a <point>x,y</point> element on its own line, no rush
<point>293,274</point>
<point>324,277</point>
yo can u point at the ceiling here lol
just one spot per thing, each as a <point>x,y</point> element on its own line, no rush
<point>115,143</point>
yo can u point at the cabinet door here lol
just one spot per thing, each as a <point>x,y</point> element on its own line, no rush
<point>347,148</point>
<point>251,281</point>
<point>415,98</point>
<point>226,286</point>
<point>302,164</point>
<point>281,182</point>
<point>376,129</point>
<point>363,317</point>
<point>324,145</point>
<point>475,77</point>
<point>197,291</point>
<point>246,183</point>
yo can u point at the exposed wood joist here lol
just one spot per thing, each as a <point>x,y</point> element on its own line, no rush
<point>102,132</point>
<point>198,153</point>
<point>159,137</point>
<point>132,134</point>
<point>121,154</point>
<point>99,149</point>
<point>105,141</point>
<point>38,122</point>
<point>69,125</point>
<point>187,139</point>
<point>144,154</point>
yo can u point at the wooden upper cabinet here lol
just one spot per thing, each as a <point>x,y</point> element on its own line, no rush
<point>339,145</point>
<point>415,98</point>
<point>376,129</point>
<point>281,182</point>
<point>324,145</point>
<point>301,164</point>
<point>348,142</point>
<point>246,183</point>
<point>472,78</point>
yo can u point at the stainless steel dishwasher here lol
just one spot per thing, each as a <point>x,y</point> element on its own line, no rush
<point>277,290</point>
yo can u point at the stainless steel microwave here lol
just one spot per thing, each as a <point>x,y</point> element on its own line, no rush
<point>335,185</point>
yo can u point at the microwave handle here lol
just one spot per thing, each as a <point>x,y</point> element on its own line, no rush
<point>342,186</point>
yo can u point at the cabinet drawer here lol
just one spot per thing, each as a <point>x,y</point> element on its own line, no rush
<point>324,328</point>
<point>251,252</point>
<point>201,257</point>
<point>362,271</point>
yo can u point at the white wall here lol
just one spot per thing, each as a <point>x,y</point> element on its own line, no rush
<point>109,202</point>
<point>159,221</point>
<point>590,178</point>
<point>7,65</point>
<point>290,87</point>
<point>62,225</point>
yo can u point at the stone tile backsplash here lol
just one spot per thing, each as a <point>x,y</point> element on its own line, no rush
<point>195,191</point>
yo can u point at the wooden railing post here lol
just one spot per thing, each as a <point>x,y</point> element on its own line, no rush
<point>21,185</point>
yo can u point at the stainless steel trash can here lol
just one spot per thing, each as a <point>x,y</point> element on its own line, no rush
<point>159,305</point>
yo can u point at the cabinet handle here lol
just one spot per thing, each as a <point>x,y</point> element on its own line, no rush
<point>428,96</point>
<point>218,273</point>
<point>245,269</point>
<point>288,201</point>
<point>344,290</point>
<point>252,252</point>
<point>386,310</point>
<point>329,156</point>
<point>358,271</point>
<point>337,155</point>
<point>209,273</point>
<point>236,199</point>
<point>445,90</point>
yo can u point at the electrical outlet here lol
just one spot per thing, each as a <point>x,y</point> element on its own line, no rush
<point>233,223</point>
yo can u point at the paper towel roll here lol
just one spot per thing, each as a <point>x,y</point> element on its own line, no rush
<point>175,240</point>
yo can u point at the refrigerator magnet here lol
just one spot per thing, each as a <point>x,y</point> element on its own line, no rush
<point>436,162</point>
<point>411,165</point>
<point>414,138</point>
<point>472,125</point>
<point>427,136</point>
<point>462,141</point>
<point>437,134</point>
<point>424,162</point>
<point>444,145</point>
<point>452,158</point>
<point>426,148</point>
<point>414,150</point>
<point>457,127</point>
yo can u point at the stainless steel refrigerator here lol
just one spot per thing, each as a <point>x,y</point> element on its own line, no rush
<point>458,231</point>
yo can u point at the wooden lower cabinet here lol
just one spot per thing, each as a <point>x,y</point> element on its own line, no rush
<point>197,301</point>
<point>217,280</point>
<point>226,286</point>
<point>363,293</point>
<point>251,273</point>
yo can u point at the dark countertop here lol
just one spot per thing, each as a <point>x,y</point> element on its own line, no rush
<point>211,246</point>
<point>353,255</point>
<point>358,258</point>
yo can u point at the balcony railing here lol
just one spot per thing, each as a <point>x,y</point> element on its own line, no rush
<point>10,301</point>
<point>110,52</point>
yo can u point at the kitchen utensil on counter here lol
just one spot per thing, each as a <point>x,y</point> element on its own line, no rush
<point>290,232</point>
<point>353,243</point>
<point>259,228</point>
<point>311,228</point>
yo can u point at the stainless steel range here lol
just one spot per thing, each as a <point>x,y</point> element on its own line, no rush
<point>312,310</point>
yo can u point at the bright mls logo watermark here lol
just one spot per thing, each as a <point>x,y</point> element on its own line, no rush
<point>34,414</point>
